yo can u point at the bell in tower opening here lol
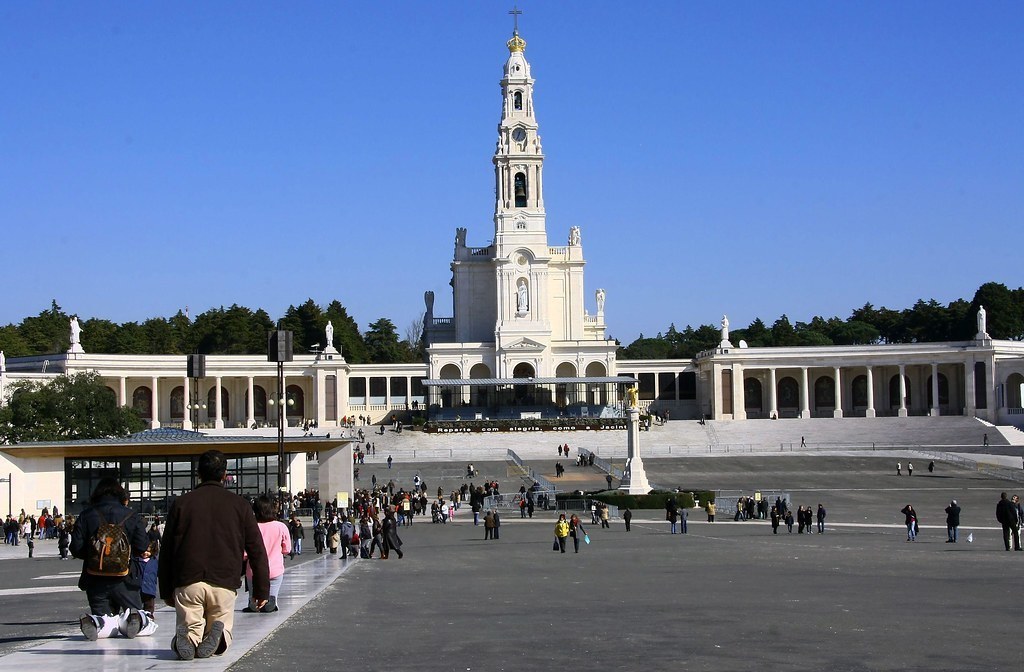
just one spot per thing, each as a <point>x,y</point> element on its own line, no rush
<point>520,190</point>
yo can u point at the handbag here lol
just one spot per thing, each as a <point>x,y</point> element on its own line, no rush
<point>586,537</point>
<point>554,545</point>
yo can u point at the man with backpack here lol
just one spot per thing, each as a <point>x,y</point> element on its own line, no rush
<point>110,538</point>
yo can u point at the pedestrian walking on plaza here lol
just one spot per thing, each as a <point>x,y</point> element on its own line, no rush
<point>208,530</point>
<point>1006,514</point>
<point>931,467</point>
<point>803,444</point>
<point>389,458</point>
<point>603,514</point>
<point>627,516</point>
<point>277,542</point>
<point>489,525</point>
<point>984,440</point>
<point>683,516</point>
<point>910,468</point>
<point>952,522</point>
<point>497,525</point>
<point>710,508</point>
<point>789,521</point>
<point>775,520</point>
<point>821,519</point>
<point>910,519</point>
<point>297,534</point>
<point>389,530</point>
<point>899,469</point>
<point>110,586</point>
<point>561,531</point>
<point>576,531</point>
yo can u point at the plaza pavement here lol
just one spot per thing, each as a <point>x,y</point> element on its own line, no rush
<point>727,596</point>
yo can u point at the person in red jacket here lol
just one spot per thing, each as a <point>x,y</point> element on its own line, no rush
<point>200,560</point>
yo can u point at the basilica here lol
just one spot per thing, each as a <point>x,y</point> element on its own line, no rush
<point>525,342</point>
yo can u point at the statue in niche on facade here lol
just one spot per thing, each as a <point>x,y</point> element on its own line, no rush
<point>574,236</point>
<point>522,297</point>
<point>600,301</point>
<point>460,237</point>
<point>982,322</point>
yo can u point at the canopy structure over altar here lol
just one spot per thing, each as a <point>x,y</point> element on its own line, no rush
<point>525,398</point>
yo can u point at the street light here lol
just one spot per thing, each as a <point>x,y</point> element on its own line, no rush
<point>279,350</point>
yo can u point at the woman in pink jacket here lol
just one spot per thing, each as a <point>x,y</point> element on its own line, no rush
<point>277,540</point>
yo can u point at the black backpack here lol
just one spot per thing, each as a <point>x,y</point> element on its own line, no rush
<point>110,551</point>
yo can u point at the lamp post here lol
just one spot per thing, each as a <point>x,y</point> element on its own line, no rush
<point>10,492</point>
<point>279,350</point>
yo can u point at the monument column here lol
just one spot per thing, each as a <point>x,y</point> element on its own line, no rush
<point>634,478</point>
<point>935,390</point>
<point>903,391</point>
<point>218,422</point>
<point>838,412</point>
<point>869,412</point>
<point>773,410</point>
<point>154,406</point>
<point>805,408</point>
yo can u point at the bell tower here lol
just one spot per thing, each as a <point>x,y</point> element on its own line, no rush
<point>518,160</point>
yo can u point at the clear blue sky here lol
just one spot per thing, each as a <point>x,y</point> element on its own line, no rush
<point>747,158</point>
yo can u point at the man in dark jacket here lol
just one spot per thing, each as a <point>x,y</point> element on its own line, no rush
<point>952,522</point>
<point>1006,514</point>
<point>206,533</point>
<point>114,601</point>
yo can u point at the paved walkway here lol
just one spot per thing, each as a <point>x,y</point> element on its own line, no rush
<point>72,652</point>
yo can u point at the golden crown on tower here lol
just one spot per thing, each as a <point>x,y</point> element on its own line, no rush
<point>516,43</point>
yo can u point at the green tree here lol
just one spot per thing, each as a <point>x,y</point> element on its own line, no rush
<point>646,348</point>
<point>783,333</point>
<point>66,408</point>
<point>382,343</point>
<point>1004,315</point>
<point>99,336</point>
<point>11,342</point>
<point>48,332</point>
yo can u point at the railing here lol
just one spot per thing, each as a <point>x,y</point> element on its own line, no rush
<point>480,251</point>
<point>601,463</point>
<point>544,483</point>
<point>590,319</point>
<point>443,321</point>
<point>558,251</point>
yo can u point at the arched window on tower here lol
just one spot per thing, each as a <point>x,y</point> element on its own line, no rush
<point>520,190</point>
<point>517,100</point>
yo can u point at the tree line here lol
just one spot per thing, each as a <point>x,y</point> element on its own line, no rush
<point>926,321</point>
<point>235,330</point>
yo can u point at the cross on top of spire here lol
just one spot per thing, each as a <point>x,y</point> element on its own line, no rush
<point>515,12</point>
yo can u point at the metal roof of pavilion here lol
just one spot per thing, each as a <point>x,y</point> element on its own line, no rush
<point>488,382</point>
<point>171,441</point>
